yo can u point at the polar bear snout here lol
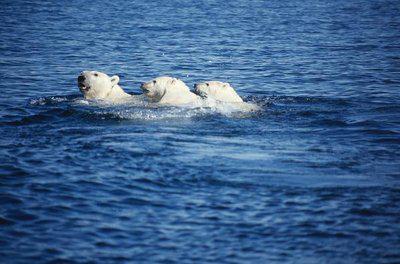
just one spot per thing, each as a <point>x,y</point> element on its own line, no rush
<point>145,87</point>
<point>199,90</point>
<point>82,83</point>
<point>81,78</point>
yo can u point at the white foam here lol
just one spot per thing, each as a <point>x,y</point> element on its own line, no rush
<point>44,100</point>
<point>138,108</point>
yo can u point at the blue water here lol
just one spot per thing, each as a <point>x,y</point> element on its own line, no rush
<point>313,177</point>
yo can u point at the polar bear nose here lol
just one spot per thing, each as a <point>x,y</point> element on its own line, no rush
<point>81,78</point>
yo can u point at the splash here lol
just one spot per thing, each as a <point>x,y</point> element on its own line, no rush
<point>138,108</point>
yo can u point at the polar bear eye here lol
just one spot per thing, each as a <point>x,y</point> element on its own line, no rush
<point>96,75</point>
<point>154,82</point>
<point>208,84</point>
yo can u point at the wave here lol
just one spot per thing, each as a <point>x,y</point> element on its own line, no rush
<point>58,108</point>
<point>315,111</point>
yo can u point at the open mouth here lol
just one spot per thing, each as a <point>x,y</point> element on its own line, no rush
<point>83,87</point>
<point>145,90</point>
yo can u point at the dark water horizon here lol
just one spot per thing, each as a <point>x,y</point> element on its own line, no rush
<point>313,177</point>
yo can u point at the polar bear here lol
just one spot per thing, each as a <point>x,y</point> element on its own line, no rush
<point>168,90</point>
<point>98,85</point>
<point>219,91</point>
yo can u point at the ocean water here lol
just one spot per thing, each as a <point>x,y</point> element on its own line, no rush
<point>313,177</point>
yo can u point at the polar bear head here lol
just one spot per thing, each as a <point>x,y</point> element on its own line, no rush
<point>217,90</point>
<point>96,85</point>
<point>166,89</point>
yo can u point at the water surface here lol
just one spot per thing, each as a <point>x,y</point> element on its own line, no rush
<point>313,177</point>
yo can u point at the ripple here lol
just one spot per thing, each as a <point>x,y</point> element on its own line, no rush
<point>307,171</point>
<point>330,123</point>
<point>6,222</point>
<point>20,215</point>
<point>77,108</point>
<point>380,132</point>
<point>9,200</point>
<point>12,171</point>
<point>387,140</point>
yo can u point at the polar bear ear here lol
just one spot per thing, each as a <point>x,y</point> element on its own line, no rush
<point>174,80</point>
<point>114,80</point>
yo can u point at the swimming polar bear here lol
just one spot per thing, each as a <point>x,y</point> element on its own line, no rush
<point>168,90</point>
<point>222,95</point>
<point>219,91</point>
<point>98,85</point>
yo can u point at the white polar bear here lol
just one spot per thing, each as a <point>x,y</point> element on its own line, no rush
<point>221,95</point>
<point>168,90</point>
<point>98,85</point>
<point>219,91</point>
